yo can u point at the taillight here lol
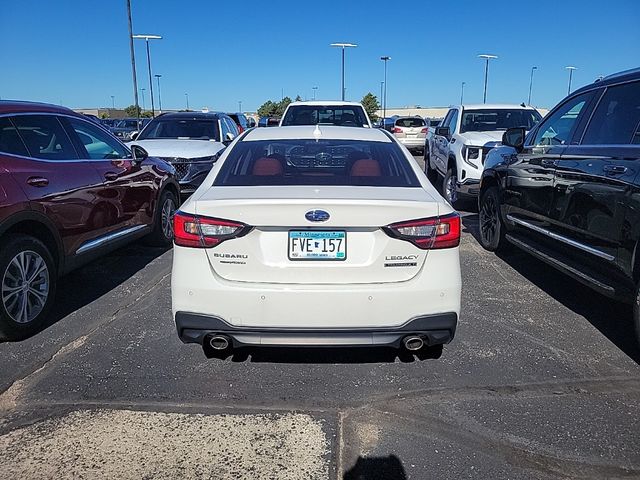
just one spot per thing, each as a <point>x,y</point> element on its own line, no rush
<point>429,233</point>
<point>240,129</point>
<point>396,130</point>
<point>204,232</point>
<point>424,130</point>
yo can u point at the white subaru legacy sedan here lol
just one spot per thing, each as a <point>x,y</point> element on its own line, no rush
<point>316,236</point>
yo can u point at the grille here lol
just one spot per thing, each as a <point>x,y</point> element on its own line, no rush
<point>180,164</point>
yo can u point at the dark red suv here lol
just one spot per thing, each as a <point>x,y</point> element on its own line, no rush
<point>69,192</point>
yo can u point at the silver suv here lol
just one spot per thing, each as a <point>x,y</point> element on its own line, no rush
<point>411,132</point>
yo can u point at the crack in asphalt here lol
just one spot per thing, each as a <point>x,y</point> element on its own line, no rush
<point>10,397</point>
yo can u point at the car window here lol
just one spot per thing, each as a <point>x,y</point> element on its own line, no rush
<point>224,125</point>
<point>346,116</point>
<point>181,128</point>
<point>233,128</point>
<point>483,120</point>
<point>44,137</point>
<point>98,143</point>
<point>410,122</point>
<point>617,118</point>
<point>321,162</point>
<point>10,141</point>
<point>453,122</point>
<point>558,128</point>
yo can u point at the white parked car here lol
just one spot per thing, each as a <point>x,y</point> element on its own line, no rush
<point>190,141</point>
<point>316,236</point>
<point>323,112</point>
<point>456,149</point>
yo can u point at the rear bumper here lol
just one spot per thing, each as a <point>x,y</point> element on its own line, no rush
<point>435,329</point>
<point>413,142</point>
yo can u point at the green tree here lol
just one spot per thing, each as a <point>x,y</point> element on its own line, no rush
<point>282,106</point>
<point>130,111</point>
<point>267,109</point>
<point>298,98</point>
<point>371,105</point>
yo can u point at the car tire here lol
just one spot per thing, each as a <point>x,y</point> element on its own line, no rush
<point>491,229</point>
<point>449,191</point>
<point>28,279</point>
<point>636,314</point>
<point>162,234</point>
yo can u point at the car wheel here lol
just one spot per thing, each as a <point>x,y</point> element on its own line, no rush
<point>162,235</point>
<point>492,230</point>
<point>27,286</point>
<point>636,314</point>
<point>450,187</point>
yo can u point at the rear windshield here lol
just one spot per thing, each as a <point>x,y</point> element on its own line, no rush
<point>311,162</point>
<point>410,122</point>
<point>192,129</point>
<point>346,116</point>
<point>499,119</point>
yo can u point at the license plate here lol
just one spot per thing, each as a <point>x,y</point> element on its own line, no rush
<point>317,245</point>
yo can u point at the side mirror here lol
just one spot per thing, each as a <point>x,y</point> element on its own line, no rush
<point>228,138</point>
<point>514,137</point>
<point>139,153</point>
<point>443,132</point>
<point>133,135</point>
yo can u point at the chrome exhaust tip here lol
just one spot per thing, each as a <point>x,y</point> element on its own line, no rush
<point>219,342</point>
<point>413,343</point>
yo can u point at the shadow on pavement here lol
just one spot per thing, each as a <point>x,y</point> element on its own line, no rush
<point>613,319</point>
<point>377,468</point>
<point>88,283</point>
<point>320,355</point>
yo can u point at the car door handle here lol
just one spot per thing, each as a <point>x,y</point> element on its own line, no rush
<point>453,140</point>
<point>615,169</point>
<point>111,176</point>
<point>38,181</point>
<point>548,163</point>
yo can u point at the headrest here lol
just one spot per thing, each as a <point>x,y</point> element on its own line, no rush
<point>366,167</point>
<point>268,166</point>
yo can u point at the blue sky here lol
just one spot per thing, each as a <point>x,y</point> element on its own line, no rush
<point>76,52</point>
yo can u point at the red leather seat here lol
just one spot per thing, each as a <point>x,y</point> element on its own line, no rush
<point>268,167</point>
<point>366,167</point>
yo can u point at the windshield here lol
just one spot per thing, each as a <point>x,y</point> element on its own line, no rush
<point>346,116</point>
<point>187,129</point>
<point>498,119</point>
<point>310,162</point>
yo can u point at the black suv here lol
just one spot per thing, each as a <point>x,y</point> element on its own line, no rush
<point>569,192</point>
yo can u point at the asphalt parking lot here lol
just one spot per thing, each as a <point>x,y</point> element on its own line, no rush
<point>541,381</point>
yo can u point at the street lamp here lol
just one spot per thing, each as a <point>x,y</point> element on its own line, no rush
<point>113,102</point>
<point>462,92</point>
<point>133,61</point>
<point>315,89</point>
<point>187,97</point>
<point>159,97</point>
<point>144,107</point>
<point>385,59</point>
<point>146,39</point>
<point>531,84</point>
<point>343,46</point>
<point>571,69</point>
<point>487,57</point>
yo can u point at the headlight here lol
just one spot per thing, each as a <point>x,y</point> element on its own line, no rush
<point>209,159</point>
<point>470,153</point>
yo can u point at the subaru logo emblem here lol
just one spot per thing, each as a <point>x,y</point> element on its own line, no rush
<point>317,216</point>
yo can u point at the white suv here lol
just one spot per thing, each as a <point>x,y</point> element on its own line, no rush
<point>344,114</point>
<point>316,236</point>
<point>457,148</point>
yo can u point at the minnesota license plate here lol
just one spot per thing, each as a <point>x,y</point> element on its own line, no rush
<point>317,245</point>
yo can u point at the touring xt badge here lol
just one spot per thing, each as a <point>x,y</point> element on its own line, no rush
<point>401,260</point>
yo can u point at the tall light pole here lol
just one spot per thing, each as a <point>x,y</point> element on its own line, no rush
<point>462,92</point>
<point>315,89</point>
<point>343,46</point>
<point>147,38</point>
<point>133,62</point>
<point>381,92</point>
<point>531,84</point>
<point>385,59</point>
<point>187,97</point>
<point>144,107</point>
<point>113,102</point>
<point>159,97</point>
<point>487,57</point>
<point>571,69</point>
